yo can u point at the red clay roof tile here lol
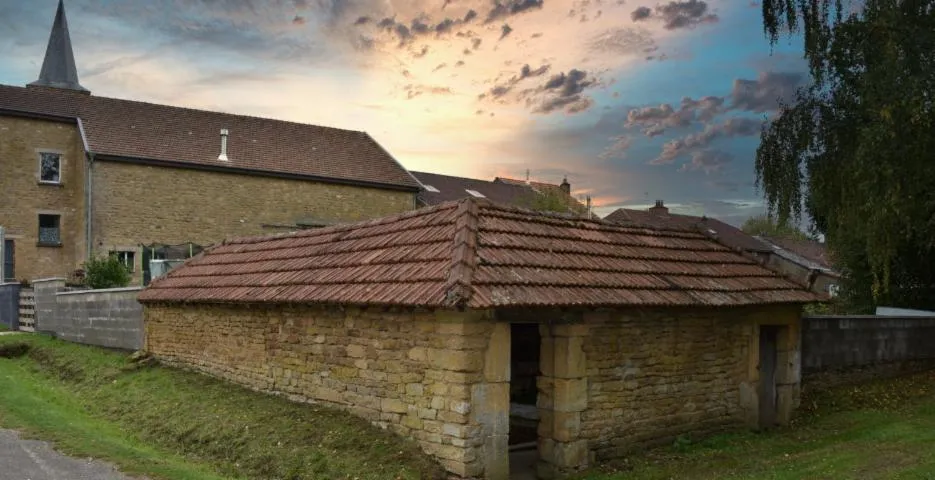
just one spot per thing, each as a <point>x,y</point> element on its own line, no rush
<point>146,131</point>
<point>727,234</point>
<point>477,254</point>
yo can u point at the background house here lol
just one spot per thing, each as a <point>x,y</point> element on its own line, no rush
<point>439,189</point>
<point>805,261</point>
<point>423,323</point>
<point>85,175</point>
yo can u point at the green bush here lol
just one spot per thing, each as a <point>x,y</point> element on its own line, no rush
<point>106,272</point>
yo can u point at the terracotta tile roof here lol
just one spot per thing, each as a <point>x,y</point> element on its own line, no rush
<point>726,234</point>
<point>477,254</point>
<point>810,250</point>
<point>451,188</point>
<point>138,130</point>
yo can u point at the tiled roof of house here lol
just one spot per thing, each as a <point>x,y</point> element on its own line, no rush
<point>145,131</point>
<point>813,252</point>
<point>726,234</point>
<point>477,254</point>
<point>452,188</point>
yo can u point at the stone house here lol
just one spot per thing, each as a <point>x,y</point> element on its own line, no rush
<point>427,322</point>
<point>802,261</point>
<point>82,174</point>
<point>438,188</point>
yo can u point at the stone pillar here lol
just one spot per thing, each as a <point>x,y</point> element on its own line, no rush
<point>563,395</point>
<point>47,314</point>
<point>788,371</point>
<point>491,405</point>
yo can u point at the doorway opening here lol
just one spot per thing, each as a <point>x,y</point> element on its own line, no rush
<point>525,345</point>
<point>768,365</point>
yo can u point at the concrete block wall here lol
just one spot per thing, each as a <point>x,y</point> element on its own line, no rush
<point>106,318</point>
<point>840,342</point>
<point>9,305</point>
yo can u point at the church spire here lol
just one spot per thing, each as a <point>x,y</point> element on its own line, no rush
<point>58,68</point>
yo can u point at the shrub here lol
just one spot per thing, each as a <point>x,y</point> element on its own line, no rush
<point>106,272</point>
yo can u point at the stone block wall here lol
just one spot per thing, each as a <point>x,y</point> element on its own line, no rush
<point>653,375</point>
<point>843,342</point>
<point>106,318</point>
<point>440,378</point>
<point>109,318</point>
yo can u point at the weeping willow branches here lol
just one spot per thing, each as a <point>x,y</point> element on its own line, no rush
<point>855,150</point>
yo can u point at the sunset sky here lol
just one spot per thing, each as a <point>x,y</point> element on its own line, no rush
<point>633,100</point>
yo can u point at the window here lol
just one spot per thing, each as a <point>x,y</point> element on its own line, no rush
<point>50,230</point>
<point>475,193</point>
<point>127,258</point>
<point>50,167</point>
<point>431,188</point>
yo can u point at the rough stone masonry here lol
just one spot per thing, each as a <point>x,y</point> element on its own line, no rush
<point>609,382</point>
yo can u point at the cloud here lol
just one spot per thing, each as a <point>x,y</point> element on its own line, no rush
<point>641,13</point>
<point>676,14</point>
<point>654,120</point>
<point>563,92</point>
<point>764,93</point>
<point>526,72</point>
<point>413,91</point>
<point>511,7</point>
<point>708,161</point>
<point>732,127</point>
<point>623,41</point>
<point>505,30</point>
<point>617,149</point>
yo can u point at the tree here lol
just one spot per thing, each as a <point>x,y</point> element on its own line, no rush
<point>764,225</point>
<point>106,272</point>
<point>855,149</point>
<point>550,200</point>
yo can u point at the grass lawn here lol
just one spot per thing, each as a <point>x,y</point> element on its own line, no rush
<point>171,424</point>
<point>884,429</point>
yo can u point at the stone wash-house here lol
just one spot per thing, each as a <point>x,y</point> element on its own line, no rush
<point>83,175</point>
<point>425,323</point>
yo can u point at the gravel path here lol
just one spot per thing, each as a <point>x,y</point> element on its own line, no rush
<point>33,460</point>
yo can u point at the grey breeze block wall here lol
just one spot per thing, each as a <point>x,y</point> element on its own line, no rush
<point>9,305</point>
<point>105,318</point>
<point>837,342</point>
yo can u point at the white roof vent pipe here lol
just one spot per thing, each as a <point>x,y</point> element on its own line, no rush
<point>224,134</point>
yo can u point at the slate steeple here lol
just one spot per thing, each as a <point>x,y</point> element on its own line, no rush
<point>58,68</point>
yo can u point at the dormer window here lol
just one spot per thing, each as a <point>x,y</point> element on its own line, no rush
<point>50,167</point>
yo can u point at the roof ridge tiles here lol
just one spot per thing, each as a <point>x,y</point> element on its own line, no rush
<point>458,288</point>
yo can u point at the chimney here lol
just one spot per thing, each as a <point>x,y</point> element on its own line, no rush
<point>223,156</point>
<point>566,187</point>
<point>590,217</point>
<point>527,176</point>
<point>659,208</point>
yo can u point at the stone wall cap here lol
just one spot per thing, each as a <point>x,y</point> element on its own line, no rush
<point>101,290</point>
<point>52,279</point>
